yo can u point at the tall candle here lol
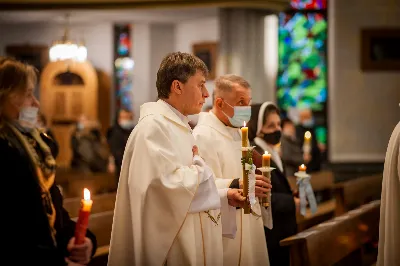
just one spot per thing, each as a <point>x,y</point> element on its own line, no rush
<point>245,132</point>
<point>83,219</point>
<point>266,159</point>
<point>302,168</point>
<point>266,162</point>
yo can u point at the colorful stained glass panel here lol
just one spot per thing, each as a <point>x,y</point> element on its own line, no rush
<point>308,4</point>
<point>302,74</point>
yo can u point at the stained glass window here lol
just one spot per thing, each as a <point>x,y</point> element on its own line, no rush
<point>123,67</point>
<point>309,4</point>
<point>302,73</point>
<point>302,80</point>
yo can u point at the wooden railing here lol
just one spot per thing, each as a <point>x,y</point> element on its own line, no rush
<point>277,5</point>
<point>338,241</point>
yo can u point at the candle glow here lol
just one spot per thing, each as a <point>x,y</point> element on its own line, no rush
<point>302,168</point>
<point>307,135</point>
<point>86,194</point>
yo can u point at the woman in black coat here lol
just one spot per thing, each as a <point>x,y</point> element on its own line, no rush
<point>117,137</point>
<point>38,230</point>
<point>265,133</point>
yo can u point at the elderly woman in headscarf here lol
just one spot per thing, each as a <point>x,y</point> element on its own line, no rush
<point>265,134</point>
<point>37,228</point>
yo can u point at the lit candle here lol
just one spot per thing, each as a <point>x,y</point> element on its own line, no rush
<point>307,142</point>
<point>266,162</point>
<point>307,137</point>
<point>302,168</point>
<point>245,131</point>
<point>83,219</point>
<point>266,157</point>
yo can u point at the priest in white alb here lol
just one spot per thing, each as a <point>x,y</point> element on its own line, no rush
<point>168,210</point>
<point>218,137</point>
<point>389,225</point>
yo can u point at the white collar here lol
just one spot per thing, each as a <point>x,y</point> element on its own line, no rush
<point>184,118</point>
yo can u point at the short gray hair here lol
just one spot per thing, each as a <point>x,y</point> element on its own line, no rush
<point>226,82</point>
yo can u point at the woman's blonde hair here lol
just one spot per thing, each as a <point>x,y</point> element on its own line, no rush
<point>15,76</point>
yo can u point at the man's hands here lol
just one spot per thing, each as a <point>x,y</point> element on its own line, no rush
<point>263,185</point>
<point>79,254</point>
<point>235,198</point>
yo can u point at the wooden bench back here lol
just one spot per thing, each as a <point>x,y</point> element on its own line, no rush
<point>334,240</point>
<point>101,203</point>
<point>354,193</point>
<point>73,182</point>
<point>323,180</point>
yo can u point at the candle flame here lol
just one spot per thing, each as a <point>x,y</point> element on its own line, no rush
<point>307,135</point>
<point>302,166</point>
<point>86,194</point>
<point>266,153</point>
<point>244,123</point>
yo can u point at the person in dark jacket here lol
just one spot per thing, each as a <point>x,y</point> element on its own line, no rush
<point>307,124</point>
<point>117,137</point>
<point>89,148</point>
<point>265,134</point>
<point>42,126</point>
<point>38,230</point>
<point>291,150</point>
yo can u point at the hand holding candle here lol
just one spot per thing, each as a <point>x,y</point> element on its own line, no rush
<point>83,219</point>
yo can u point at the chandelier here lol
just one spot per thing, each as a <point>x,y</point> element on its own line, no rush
<point>66,49</point>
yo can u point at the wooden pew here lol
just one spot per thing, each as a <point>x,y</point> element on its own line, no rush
<point>73,182</point>
<point>101,203</point>
<point>324,212</point>
<point>354,193</point>
<point>338,241</point>
<point>321,182</point>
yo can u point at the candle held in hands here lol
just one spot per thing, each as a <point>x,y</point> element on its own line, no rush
<point>302,168</point>
<point>245,133</point>
<point>83,219</point>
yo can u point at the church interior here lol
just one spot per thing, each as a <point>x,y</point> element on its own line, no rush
<point>331,66</point>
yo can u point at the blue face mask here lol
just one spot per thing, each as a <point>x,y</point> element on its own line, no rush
<point>308,123</point>
<point>240,114</point>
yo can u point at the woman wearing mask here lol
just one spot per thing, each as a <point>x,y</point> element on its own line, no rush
<point>117,136</point>
<point>265,133</point>
<point>38,227</point>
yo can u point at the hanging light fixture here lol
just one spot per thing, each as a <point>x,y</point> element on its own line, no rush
<point>66,49</point>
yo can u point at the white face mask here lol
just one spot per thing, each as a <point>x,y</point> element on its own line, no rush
<point>126,124</point>
<point>28,117</point>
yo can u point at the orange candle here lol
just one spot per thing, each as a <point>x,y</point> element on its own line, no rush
<point>302,168</point>
<point>266,159</point>
<point>245,132</point>
<point>83,219</point>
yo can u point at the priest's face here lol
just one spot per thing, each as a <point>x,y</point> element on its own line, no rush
<point>194,94</point>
